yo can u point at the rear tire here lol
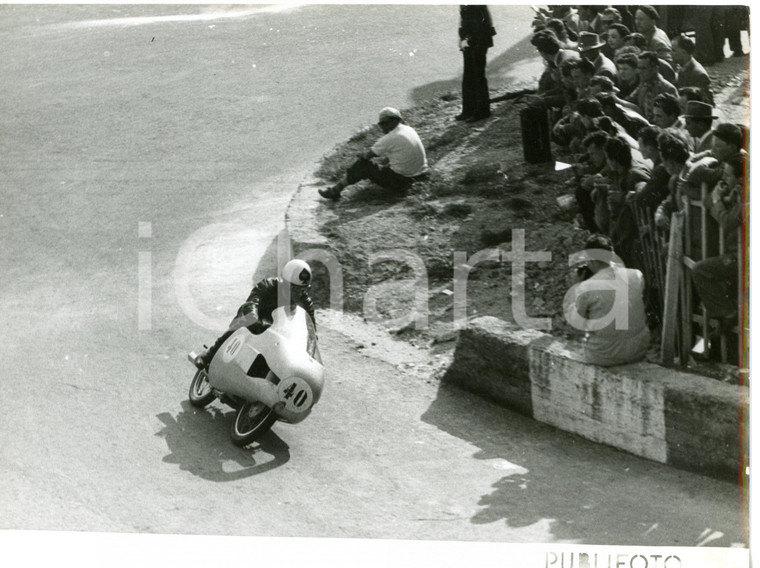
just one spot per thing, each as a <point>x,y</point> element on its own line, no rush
<point>201,393</point>
<point>251,421</point>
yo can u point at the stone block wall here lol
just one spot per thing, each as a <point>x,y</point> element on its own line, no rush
<point>665,415</point>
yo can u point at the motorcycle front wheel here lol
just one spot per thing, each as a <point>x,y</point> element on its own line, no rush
<point>251,421</point>
<point>201,394</point>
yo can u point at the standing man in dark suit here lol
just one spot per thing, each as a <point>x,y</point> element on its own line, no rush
<point>691,73</point>
<point>476,33</point>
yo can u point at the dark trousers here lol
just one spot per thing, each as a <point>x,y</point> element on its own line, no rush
<point>736,20</point>
<point>475,96</point>
<point>707,22</point>
<point>716,280</point>
<point>586,208</point>
<point>381,175</point>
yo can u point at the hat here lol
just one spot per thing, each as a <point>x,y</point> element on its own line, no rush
<point>698,109</point>
<point>389,112</point>
<point>588,41</point>
<point>650,12</point>
<point>611,14</point>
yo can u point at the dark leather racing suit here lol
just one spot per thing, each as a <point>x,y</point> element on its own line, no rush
<point>262,300</point>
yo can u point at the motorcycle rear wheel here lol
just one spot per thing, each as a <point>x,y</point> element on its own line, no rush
<point>201,394</point>
<point>251,421</point>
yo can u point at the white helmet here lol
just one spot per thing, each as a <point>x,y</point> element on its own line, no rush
<point>297,273</point>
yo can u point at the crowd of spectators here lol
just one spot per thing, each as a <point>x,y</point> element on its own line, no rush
<point>634,108</point>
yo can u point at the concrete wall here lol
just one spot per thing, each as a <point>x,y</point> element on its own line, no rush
<point>665,415</point>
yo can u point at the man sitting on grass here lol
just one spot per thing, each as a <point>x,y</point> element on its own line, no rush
<point>400,147</point>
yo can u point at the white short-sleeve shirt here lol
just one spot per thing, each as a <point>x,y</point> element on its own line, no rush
<point>404,150</point>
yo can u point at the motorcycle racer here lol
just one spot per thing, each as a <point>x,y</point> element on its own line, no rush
<point>292,287</point>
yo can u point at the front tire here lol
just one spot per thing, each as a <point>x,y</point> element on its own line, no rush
<point>201,393</point>
<point>251,421</point>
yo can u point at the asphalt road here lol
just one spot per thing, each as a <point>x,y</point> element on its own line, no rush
<point>97,434</point>
<point>387,453</point>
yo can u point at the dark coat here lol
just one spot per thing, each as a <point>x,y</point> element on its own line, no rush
<point>263,298</point>
<point>475,26</point>
<point>603,67</point>
<point>693,74</point>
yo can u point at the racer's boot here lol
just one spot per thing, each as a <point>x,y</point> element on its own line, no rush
<point>203,360</point>
<point>200,360</point>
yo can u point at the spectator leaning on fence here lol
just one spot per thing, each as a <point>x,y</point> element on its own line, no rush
<point>727,141</point>
<point>606,302</point>
<point>716,278</point>
<point>707,170</point>
<point>674,153</point>
<point>643,206</point>
<point>656,189</point>
<point>686,188</point>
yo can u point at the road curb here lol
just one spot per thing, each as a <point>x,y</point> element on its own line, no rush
<point>306,213</point>
<point>680,419</point>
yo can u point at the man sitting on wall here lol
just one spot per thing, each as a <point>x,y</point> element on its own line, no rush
<point>607,303</point>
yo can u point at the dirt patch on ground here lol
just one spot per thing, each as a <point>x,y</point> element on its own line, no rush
<point>480,189</point>
<point>480,192</point>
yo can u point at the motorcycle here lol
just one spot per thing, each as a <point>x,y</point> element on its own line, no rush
<point>273,373</point>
